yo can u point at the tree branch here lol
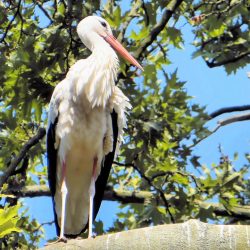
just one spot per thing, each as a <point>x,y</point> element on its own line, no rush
<point>49,223</point>
<point>11,21</point>
<point>44,11</point>
<point>196,142</point>
<point>14,163</point>
<point>123,196</point>
<point>29,191</point>
<point>228,110</point>
<point>226,121</point>
<point>213,64</point>
<point>133,13</point>
<point>146,13</point>
<point>23,168</point>
<point>236,118</point>
<point>150,182</point>
<point>155,31</point>
<point>192,234</point>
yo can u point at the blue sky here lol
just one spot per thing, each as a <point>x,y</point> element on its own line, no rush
<point>212,88</point>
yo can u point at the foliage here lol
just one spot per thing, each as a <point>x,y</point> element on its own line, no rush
<point>222,35</point>
<point>16,229</point>
<point>9,219</point>
<point>38,44</point>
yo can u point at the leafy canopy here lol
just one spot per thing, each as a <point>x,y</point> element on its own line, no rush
<point>38,44</point>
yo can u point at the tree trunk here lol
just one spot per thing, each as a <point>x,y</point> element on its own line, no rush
<point>192,234</point>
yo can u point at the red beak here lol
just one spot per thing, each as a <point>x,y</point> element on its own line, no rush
<point>121,50</point>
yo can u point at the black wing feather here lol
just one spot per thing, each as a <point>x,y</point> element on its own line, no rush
<point>51,162</point>
<point>102,179</point>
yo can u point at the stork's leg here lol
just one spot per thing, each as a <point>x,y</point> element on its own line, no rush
<point>91,196</point>
<point>64,192</point>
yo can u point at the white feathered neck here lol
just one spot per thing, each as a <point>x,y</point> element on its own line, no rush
<point>97,82</point>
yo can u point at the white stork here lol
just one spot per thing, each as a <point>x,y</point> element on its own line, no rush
<point>87,115</point>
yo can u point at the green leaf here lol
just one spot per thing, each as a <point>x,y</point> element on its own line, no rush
<point>180,179</point>
<point>175,37</point>
<point>142,34</point>
<point>8,220</point>
<point>61,9</point>
<point>217,31</point>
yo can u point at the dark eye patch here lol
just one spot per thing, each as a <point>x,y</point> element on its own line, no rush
<point>104,24</point>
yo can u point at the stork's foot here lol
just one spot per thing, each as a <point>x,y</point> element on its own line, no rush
<point>92,236</point>
<point>60,239</point>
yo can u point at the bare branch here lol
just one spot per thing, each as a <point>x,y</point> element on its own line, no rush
<point>29,191</point>
<point>224,122</point>
<point>205,137</point>
<point>240,212</point>
<point>14,163</point>
<point>228,110</point>
<point>236,118</point>
<point>192,234</point>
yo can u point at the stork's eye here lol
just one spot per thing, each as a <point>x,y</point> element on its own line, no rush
<point>104,24</point>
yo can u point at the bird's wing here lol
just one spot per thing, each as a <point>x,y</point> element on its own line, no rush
<point>52,143</point>
<point>102,179</point>
<point>52,155</point>
<point>52,162</point>
<point>119,103</point>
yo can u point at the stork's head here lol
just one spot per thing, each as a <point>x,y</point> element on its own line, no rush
<point>93,30</point>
